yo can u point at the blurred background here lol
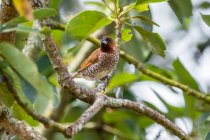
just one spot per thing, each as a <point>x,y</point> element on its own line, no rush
<point>187,55</point>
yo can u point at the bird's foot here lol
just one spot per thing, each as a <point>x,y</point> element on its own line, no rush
<point>102,83</point>
<point>101,87</point>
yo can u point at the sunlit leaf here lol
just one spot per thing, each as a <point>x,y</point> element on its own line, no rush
<point>86,22</point>
<point>20,114</point>
<point>24,8</point>
<point>26,68</point>
<point>44,13</point>
<point>141,7</point>
<point>148,1</point>
<point>126,34</point>
<point>154,41</point>
<point>127,8</point>
<point>6,96</point>
<point>206,19</point>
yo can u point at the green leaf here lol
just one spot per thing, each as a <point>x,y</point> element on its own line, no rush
<point>164,72</point>
<point>20,114</point>
<point>6,96</point>
<point>142,5</point>
<point>126,34</point>
<point>208,136</point>
<point>121,79</point>
<point>13,22</point>
<point>55,3</point>
<point>206,19</point>
<point>94,3</point>
<point>127,8</point>
<point>44,13</point>
<point>182,9</point>
<point>185,78</point>
<point>15,81</point>
<point>148,1</point>
<point>154,41</point>
<point>86,22</point>
<point>204,5</point>
<point>38,14</point>
<point>26,68</point>
<point>147,20</point>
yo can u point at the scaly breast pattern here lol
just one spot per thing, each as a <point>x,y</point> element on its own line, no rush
<point>106,64</point>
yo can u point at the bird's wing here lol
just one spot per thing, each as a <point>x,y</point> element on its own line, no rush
<point>92,59</point>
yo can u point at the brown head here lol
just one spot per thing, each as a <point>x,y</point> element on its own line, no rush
<point>107,44</point>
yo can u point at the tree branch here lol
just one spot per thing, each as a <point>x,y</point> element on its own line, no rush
<point>87,95</point>
<point>165,80</point>
<point>7,12</point>
<point>45,121</point>
<point>20,128</point>
<point>130,59</point>
<point>152,114</point>
<point>86,116</point>
<point>140,66</point>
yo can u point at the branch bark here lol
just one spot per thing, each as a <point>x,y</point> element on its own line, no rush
<point>19,128</point>
<point>140,66</point>
<point>86,116</point>
<point>7,12</point>
<point>89,95</point>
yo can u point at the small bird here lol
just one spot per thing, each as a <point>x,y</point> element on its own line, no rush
<point>101,63</point>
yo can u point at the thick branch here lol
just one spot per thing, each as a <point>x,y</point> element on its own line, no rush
<point>165,80</point>
<point>141,67</point>
<point>20,128</point>
<point>83,94</point>
<point>7,12</point>
<point>152,114</point>
<point>64,77</point>
<point>87,95</point>
<point>86,116</point>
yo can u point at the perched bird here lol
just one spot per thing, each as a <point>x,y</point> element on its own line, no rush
<point>101,63</point>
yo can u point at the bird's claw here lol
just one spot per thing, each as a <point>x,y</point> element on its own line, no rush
<point>101,86</point>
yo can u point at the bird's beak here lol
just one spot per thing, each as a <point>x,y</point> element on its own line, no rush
<point>103,40</point>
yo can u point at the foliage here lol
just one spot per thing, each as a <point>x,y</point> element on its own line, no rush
<point>37,85</point>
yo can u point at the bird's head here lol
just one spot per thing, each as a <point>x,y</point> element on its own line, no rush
<point>107,44</point>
